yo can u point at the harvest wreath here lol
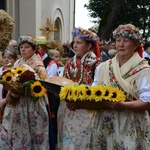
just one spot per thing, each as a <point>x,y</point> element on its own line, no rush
<point>7,26</point>
<point>90,95</point>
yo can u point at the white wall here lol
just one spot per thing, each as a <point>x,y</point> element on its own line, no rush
<point>30,15</point>
<point>27,17</point>
<point>64,9</point>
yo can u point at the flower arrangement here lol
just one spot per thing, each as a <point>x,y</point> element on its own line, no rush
<point>129,31</point>
<point>85,34</point>
<point>23,81</point>
<point>76,92</point>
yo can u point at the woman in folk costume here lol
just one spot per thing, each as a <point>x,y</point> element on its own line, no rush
<point>25,122</point>
<point>8,59</point>
<point>125,125</point>
<point>75,125</point>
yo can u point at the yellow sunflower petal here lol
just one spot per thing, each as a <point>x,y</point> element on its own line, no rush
<point>97,93</point>
<point>7,77</point>
<point>19,70</point>
<point>37,90</point>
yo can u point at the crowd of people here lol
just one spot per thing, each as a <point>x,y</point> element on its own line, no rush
<point>57,125</point>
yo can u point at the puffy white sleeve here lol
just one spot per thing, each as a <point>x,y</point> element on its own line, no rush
<point>143,86</point>
<point>97,75</point>
<point>52,70</point>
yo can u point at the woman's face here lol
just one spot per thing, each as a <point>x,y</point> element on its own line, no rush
<point>81,47</point>
<point>26,50</point>
<point>7,59</point>
<point>125,47</point>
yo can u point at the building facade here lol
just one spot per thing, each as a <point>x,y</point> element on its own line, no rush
<point>31,15</point>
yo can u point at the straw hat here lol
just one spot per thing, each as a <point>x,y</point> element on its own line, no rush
<point>40,40</point>
<point>6,29</point>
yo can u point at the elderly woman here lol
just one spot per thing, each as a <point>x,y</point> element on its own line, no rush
<point>125,125</point>
<point>75,125</point>
<point>25,122</point>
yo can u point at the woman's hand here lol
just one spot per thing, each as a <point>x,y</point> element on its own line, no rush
<point>8,97</point>
<point>72,106</point>
<point>2,103</point>
<point>12,97</point>
<point>113,105</point>
<point>136,105</point>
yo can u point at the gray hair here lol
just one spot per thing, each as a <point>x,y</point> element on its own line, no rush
<point>13,42</point>
<point>10,52</point>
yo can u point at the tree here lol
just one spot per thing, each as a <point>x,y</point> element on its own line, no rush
<point>111,13</point>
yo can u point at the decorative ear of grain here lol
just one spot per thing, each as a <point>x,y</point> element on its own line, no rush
<point>7,26</point>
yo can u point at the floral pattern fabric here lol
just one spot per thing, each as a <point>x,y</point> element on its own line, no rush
<point>25,124</point>
<point>75,127</point>
<point>124,129</point>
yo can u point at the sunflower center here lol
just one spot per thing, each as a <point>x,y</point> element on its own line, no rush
<point>75,92</point>
<point>70,92</point>
<point>37,89</point>
<point>88,92</point>
<point>19,72</point>
<point>106,93</point>
<point>114,95</point>
<point>81,93</point>
<point>98,93</point>
<point>8,79</point>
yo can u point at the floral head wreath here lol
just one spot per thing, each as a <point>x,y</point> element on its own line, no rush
<point>28,39</point>
<point>129,31</point>
<point>85,34</point>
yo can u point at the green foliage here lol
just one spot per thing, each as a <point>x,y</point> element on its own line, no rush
<point>111,13</point>
<point>27,88</point>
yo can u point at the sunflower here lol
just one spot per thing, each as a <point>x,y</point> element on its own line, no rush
<point>107,93</point>
<point>117,95</point>
<point>37,90</point>
<point>98,93</point>
<point>19,71</point>
<point>91,93</point>
<point>70,94</point>
<point>64,92</point>
<point>84,92</point>
<point>7,77</point>
<point>75,93</point>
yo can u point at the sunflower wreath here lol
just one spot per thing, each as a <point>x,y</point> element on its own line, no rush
<point>6,29</point>
<point>23,81</point>
<point>98,93</point>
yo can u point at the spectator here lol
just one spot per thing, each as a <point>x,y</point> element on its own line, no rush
<point>25,123</point>
<point>13,45</point>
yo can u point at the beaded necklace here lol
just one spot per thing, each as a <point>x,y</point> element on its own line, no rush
<point>80,69</point>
